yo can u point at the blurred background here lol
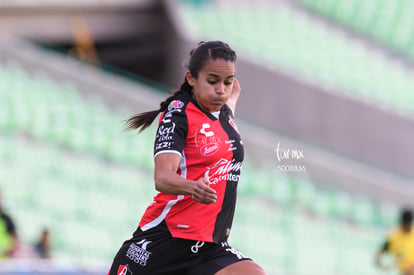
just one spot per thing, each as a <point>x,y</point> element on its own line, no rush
<point>326,114</point>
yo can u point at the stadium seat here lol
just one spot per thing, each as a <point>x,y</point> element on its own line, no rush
<point>309,48</point>
<point>388,22</point>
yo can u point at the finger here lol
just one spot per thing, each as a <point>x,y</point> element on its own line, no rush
<point>203,199</point>
<point>205,180</point>
<point>236,85</point>
<point>204,194</point>
<point>206,186</point>
<point>200,193</point>
<point>236,82</point>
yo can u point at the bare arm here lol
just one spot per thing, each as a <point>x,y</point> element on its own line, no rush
<point>235,94</point>
<point>168,181</point>
<point>379,262</point>
<point>378,257</point>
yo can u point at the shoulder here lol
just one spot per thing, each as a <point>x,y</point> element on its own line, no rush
<point>179,102</point>
<point>394,234</point>
<point>176,109</point>
<point>178,105</point>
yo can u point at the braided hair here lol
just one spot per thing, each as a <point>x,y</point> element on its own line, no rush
<point>198,56</point>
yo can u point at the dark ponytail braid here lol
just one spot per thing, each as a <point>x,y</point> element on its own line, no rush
<point>143,120</point>
<point>198,56</point>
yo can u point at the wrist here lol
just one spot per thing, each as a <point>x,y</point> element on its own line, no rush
<point>189,187</point>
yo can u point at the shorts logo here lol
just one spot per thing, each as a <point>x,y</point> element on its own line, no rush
<point>232,250</point>
<point>138,254</point>
<point>123,270</point>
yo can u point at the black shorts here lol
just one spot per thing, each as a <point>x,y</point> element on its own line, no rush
<point>156,252</point>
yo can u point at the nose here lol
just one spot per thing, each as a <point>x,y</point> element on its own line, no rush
<point>220,88</point>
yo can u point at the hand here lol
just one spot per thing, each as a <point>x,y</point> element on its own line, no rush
<point>202,192</point>
<point>234,96</point>
<point>380,264</point>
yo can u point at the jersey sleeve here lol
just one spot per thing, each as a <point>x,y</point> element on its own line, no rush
<point>171,132</point>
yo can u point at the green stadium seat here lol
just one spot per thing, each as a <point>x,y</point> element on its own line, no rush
<point>343,205</point>
<point>282,191</point>
<point>345,11</point>
<point>388,22</point>
<point>387,16</point>
<point>402,34</point>
<point>308,48</point>
<point>363,212</point>
<point>306,192</point>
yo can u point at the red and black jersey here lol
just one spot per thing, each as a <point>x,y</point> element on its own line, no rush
<point>209,146</point>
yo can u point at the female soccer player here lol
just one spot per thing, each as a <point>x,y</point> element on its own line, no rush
<point>198,157</point>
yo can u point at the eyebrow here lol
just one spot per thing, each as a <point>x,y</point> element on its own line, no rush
<point>215,75</point>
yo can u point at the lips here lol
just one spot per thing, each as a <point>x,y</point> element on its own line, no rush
<point>218,101</point>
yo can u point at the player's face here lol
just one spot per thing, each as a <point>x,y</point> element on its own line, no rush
<point>212,88</point>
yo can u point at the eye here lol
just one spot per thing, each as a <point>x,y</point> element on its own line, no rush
<point>227,83</point>
<point>212,82</point>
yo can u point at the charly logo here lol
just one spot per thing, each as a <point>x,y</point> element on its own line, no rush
<point>205,139</point>
<point>286,158</point>
<point>137,252</point>
<point>204,130</point>
<point>123,270</point>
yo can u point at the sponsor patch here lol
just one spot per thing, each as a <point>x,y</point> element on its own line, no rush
<point>224,170</point>
<point>175,104</point>
<point>137,252</point>
<point>206,140</point>
<point>209,149</point>
<point>164,137</point>
<point>231,145</point>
